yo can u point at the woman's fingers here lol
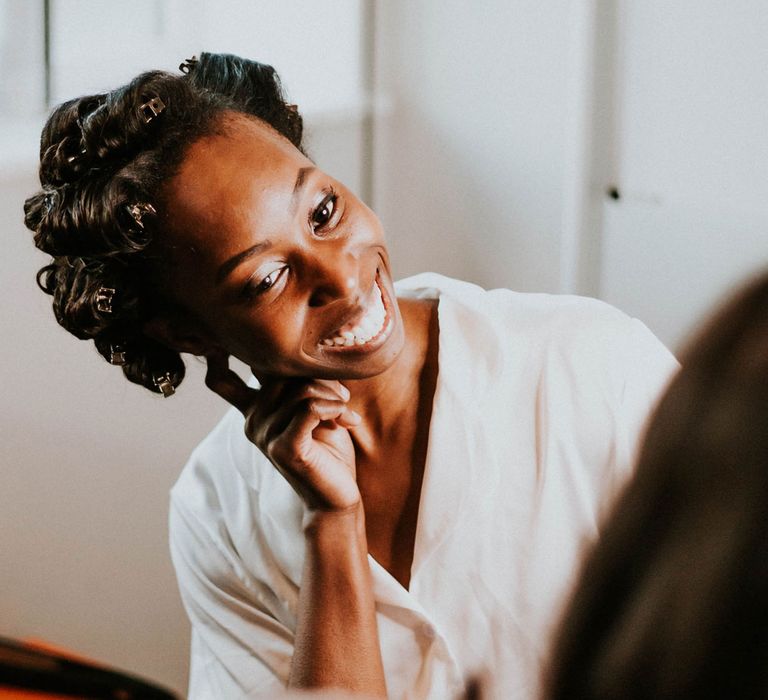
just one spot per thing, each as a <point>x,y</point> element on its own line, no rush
<point>321,389</point>
<point>349,418</point>
<point>223,381</point>
<point>297,395</point>
<point>282,392</point>
<point>295,436</point>
<point>302,427</point>
<point>312,409</point>
<point>336,386</point>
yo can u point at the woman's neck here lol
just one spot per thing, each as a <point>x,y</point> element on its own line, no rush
<point>391,400</point>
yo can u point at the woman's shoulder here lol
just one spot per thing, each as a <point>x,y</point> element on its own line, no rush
<point>500,333</point>
<point>544,316</point>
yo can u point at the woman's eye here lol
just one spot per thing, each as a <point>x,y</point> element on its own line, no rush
<point>256,287</point>
<point>324,212</point>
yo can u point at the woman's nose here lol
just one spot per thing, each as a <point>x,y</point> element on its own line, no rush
<point>336,277</point>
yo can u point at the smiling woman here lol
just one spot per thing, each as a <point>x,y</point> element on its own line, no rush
<point>403,499</point>
<point>297,268</point>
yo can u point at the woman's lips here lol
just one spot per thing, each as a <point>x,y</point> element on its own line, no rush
<point>370,328</point>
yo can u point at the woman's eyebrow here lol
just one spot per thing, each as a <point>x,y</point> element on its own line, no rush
<point>301,178</point>
<point>229,265</point>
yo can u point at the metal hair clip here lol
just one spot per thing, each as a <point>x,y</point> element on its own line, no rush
<point>138,210</point>
<point>163,382</point>
<point>188,64</point>
<point>104,298</point>
<point>116,355</point>
<point>49,201</point>
<point>72,159</point>
<point>152,108</point>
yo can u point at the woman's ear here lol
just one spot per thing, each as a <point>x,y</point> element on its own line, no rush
<point>180,335</point>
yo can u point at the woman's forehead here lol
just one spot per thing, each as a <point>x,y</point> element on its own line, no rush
<point>245,152</point>
<point>234,178</point>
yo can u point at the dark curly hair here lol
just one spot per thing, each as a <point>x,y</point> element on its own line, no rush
<point>103,161</point>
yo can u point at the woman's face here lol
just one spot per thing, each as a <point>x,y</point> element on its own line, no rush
<point>279,264</point>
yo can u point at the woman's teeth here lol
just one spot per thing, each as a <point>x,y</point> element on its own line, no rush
<point>366,328</point>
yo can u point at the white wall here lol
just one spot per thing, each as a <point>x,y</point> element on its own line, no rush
<point>509,120</point>
<point>87,462</point>
<point>469,162</point>
<point>322,74</point>
<point>691,158</point>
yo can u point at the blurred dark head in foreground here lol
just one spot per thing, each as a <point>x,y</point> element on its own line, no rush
<point>673,601</point>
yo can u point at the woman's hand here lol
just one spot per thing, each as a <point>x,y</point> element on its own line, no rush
<point>301,425</point>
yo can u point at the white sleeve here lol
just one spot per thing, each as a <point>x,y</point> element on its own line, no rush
<point>239,649</point>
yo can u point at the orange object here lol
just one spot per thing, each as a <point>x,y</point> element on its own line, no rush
<point>46,647</point>
<point>19,694</point>
<point>38,670</point>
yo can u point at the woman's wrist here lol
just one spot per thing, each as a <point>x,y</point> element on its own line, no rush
<point>323,525</point>
<point>336,641</point>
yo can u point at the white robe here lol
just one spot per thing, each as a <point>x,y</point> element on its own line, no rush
<point>539,404</point>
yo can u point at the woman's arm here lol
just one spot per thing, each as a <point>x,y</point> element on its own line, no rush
<point>302,427</point>
<point>337,641</point>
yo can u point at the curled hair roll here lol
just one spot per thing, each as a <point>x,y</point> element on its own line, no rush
<point>101,210</point>
<point>254,87</point>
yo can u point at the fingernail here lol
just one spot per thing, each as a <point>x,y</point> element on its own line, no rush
<point>345,392</point>
<point>355,416</point>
